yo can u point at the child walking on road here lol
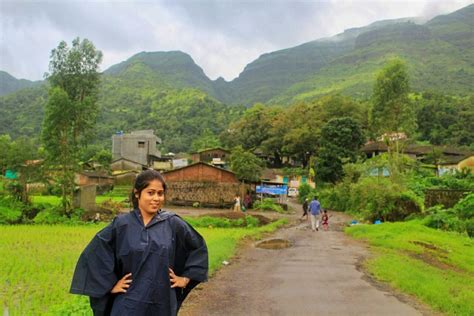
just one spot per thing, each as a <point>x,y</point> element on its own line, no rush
<point>325,220</point>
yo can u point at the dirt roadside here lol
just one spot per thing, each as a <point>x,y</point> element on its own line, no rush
<point>319,274</point>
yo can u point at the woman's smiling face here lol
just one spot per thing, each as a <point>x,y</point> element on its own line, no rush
<point>152,198</point>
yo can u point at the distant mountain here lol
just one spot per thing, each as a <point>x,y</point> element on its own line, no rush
<point>439,55</point>
<point>173,69</point>
<point>9,84</point>
<point>167,91</point>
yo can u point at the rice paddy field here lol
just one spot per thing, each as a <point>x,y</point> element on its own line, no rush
<point>37,262</point>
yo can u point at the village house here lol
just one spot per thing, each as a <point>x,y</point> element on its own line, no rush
<point>456,163</point>
<point>449,160</point>
<point>138,146</point>
<point>101,180</point>
<point>214,156</point>
<point>202,183</point>
<point>278,176</point>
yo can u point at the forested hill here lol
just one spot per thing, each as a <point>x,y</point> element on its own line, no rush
<point>9,84</point>
<point>167,91</point>
<point>163,69</point>
<point>439,54</point>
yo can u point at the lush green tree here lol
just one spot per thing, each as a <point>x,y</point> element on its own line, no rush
<point>246,165</point>
<point>341,139</point>
<point>445,119</point>
<point>207,139</point>
<point>392,110</point>
<point>295,131</point>
<point>5,143</point>
<point>22,156</point>
<point>71,110</point>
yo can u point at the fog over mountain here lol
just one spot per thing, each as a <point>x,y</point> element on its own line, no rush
<point>221,36</point>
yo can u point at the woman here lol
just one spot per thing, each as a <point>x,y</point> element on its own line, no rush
<point>145,262</point>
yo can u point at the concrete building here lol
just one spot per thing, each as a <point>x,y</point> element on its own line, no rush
<point>138,146</point>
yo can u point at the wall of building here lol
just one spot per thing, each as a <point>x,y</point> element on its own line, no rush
<point>207,194</point>
<point>125,165</point>
<point>200,172</point>
<point>135,146</point>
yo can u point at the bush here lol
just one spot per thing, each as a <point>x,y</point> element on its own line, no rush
<point>219,222</point>
<point>441,218</point>
<point>53,215</point>
<point>10,210</point>
<point>304,191</point>
<point>470,228</point>
<point>268,204</point>
<point>373,197</point>
<point>465,207</point>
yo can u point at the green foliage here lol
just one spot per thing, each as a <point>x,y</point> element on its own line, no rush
<point>444,119</point>
<point>340,141</point>
<point>465,207</point>
<point>372,196</point>
<point>10,210</point>
<point>304,192</point>
<point>71,109</point>
<point>392,111</point>
<point>246,165</point>
<point>268,204</point>
<point>219,222</point>
<point>206,140</point>
<point>55,215</point>
<point>459,218</point>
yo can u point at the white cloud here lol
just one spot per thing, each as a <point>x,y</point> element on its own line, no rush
<point>221,36</point>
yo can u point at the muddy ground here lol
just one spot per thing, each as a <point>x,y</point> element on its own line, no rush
<point>320,274</point>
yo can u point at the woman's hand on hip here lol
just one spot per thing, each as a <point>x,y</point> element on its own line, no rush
<point>177,281</point>
<point>122,285</point>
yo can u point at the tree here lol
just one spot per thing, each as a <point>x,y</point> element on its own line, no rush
<point>246,165</point>
<point>21,156</point>
<point>71,110</point>
<point>341,139</point>
<point>392,111</point>
<point>206,140</point>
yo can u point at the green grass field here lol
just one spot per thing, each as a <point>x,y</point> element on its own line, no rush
<point>37,262</point>
<point>56,200</point>
<point>433,265</point>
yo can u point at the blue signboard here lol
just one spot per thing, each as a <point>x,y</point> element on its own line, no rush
<point>273,190</point>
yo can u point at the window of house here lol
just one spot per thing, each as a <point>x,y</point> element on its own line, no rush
<point>141,144</point>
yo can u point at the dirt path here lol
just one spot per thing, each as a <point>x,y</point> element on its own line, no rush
<point>318,275</point>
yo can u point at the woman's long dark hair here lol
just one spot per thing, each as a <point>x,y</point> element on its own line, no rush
<point>142,181</point>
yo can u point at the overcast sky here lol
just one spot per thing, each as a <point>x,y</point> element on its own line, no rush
<point>221,36</point>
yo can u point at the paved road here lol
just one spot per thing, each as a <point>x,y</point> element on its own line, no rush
<point>318,275</point>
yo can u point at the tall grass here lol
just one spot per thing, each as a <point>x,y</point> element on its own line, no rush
<point>435,266</point>
<point>37,262</point>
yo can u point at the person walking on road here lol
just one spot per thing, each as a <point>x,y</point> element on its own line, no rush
<point>315,210</point>
<point>305,209</point>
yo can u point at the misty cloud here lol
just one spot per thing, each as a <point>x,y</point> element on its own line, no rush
<point>221,36</point>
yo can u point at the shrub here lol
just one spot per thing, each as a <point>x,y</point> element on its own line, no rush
<point>251,221</point>
<point>470,227</point>
<point>268,204</point>
<point>10,210</point>
<point>441,218</point>
<point>304,191</point>
<point>53,215</point>
<point>465,207</point>
<point>219,222</point>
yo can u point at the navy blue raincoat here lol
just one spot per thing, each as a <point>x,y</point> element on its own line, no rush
<point>127,246</point>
